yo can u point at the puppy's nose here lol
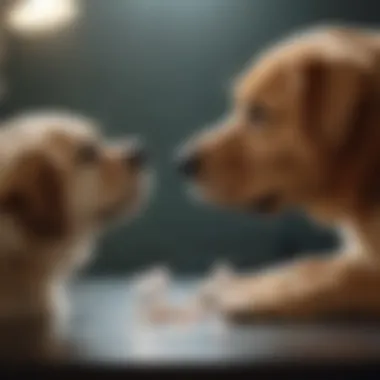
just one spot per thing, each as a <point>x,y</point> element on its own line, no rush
<point>189,164</point>
<point>137,156</point>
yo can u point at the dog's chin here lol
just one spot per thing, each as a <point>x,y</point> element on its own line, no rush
<point>127,208</point>
<point>269,204</point>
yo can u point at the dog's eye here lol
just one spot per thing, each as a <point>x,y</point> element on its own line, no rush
<point>258,114</point>
<point>87,154</point>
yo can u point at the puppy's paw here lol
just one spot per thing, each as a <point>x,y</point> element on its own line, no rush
<point>237,307</point>
<point>220,278</point>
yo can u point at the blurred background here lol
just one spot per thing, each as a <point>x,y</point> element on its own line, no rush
<point>161,68</point>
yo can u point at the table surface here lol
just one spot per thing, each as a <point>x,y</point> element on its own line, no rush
<point>104,328</point>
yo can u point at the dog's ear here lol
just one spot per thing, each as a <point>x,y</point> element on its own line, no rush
<point>34,195</point>
<point>335,96</point>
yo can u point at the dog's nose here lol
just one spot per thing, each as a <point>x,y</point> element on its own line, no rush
<point>189,164</point>
<point>137,156</point>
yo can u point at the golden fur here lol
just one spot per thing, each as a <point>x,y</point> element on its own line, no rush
<point>305,132</point>
<point>61,183</point>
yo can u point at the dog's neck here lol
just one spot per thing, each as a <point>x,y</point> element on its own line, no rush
<point>30,278</point>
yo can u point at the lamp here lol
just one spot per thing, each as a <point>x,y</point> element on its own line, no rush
<point>36,16</point>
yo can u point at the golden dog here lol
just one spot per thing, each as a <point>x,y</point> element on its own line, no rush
<point>304,131</point>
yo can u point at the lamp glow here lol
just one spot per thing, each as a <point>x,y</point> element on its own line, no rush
<point>35,16</point>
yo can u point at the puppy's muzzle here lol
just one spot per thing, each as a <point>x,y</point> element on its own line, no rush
<point>136,156</point>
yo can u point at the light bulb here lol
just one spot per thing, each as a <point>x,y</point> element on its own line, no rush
<point>35,16</point>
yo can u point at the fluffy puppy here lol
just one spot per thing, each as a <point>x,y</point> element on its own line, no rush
<point>61,184</point>
<point>303,132</point>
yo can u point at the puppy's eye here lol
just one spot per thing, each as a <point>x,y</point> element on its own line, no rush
<point>87,154</point>
<point>258,114</point>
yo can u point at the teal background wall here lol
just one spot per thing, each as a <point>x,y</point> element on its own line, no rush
<point>161,68</point>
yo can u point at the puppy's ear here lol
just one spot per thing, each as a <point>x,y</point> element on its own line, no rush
<point>335,97</point>
<point>34,196</point>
